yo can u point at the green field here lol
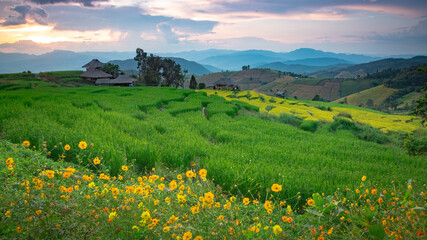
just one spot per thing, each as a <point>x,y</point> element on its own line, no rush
<point>149,126</point>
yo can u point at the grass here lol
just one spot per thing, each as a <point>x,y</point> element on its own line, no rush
<point>46,199</point>
<point>150,126</point>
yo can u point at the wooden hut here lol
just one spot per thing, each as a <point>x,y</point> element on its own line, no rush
<point>94,74</point>
<point>94,64</point>
<point>123,80</point>
<point>225,84</point>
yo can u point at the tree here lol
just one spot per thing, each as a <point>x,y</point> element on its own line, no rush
<point>151,70</point>
<point>141,58</point>
<point>421,107</point>
<point>193,82</point>
<point>112,69</point>
<point>316,98</point>
<point>246,67</point>
<point>201,85</point>
<point>172,73</point>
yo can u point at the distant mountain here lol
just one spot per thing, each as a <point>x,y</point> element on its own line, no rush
<point>235,61</point>
<point>371,67</point>
<point>299,68</point>
<point>304,56</point>
<point>67,60</point>
<point>303,53</point>
<point>53,61</point>
<point>192,67</point>
<point>197,55</point>
<point>318,61</point>
<point>211,68</point>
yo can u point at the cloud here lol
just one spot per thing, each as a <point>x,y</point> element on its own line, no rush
<point>25,13</point>
<point>168,34</point>
<point>86,3</point>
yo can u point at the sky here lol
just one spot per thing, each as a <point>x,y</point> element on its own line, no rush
<point>373,27</point>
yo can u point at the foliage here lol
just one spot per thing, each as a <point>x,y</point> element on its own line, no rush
<point>201,86</point>
<point>151,126</point>
<point>193,82</point>
<point>112,69</point>
<point>46,199</point>
<point>415,146</point>
<point>309,125</point>
<point>421,107</point>
<point>153,68</point>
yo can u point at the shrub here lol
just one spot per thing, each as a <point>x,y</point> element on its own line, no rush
<point>309,125</point>
<point>415,146</point>
<point>344,114</point>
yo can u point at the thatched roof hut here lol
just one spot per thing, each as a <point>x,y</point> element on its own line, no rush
<point>103,81</point>
<point>95,63</point>
<point>92,74</point>
<point>123,80</point>
<point>226,84</point>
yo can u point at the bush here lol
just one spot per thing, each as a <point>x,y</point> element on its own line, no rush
<point>289,119</point>
<point>415,146</point>
<point>344,114</point>
<point>309,125</point>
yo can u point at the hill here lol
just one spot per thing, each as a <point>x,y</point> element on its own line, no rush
<point>371,67</point>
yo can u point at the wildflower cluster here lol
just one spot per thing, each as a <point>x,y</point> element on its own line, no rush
<point>49,199</point>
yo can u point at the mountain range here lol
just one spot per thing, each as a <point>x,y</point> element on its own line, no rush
<point>303,60</point>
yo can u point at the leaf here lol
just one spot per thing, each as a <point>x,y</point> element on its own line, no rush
<point>314,212</point>
<point>376,231</point>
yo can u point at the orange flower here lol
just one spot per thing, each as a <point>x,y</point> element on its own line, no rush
<point>310,202</point>
<point>26,143</point>
<point>374,191</point>
<point>380,200</point>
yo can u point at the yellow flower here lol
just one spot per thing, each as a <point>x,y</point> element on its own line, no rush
<point>161,187</point>
<point>276,188</point>
<point>67,147</point>
<point>277,230</point>
<point>220,218</point>
<point>409,187</point>
<point>310,202</point>
<point>246,201</point>
<point>96,161</point>
<point>202,173</point>
<point>167,199</point>
<point>190,174</point>
<point>363,178</point>
<point>173,185</point>
<point>232,199</point>
<point>194,209</point>
<point>26,143</point>
<point>124,168</point>
<point>19,229</point>
<point>179,176</point>
<point>146,215</point>
<point>166,229</point>
<point>10,167</point>
<point>8,214</point>
<point>198,238</point>
<point>112,215</point>
<point>187,236</point>
<point>50,173</point>
<point>82,145</point>
<point>9,161</point>
<point>330,231</point>
<point>38,212</point>
<point>136,228</point>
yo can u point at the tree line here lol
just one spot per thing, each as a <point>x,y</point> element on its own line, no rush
<point>157,71</point>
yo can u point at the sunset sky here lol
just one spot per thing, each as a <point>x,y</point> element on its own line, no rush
<point>348,26</point>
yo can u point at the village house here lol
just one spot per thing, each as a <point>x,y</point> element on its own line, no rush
<point>225,84</point>
<point>94,72</point>
<point>98,77</point>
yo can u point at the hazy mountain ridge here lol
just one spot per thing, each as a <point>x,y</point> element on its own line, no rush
<point>371,67</point>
